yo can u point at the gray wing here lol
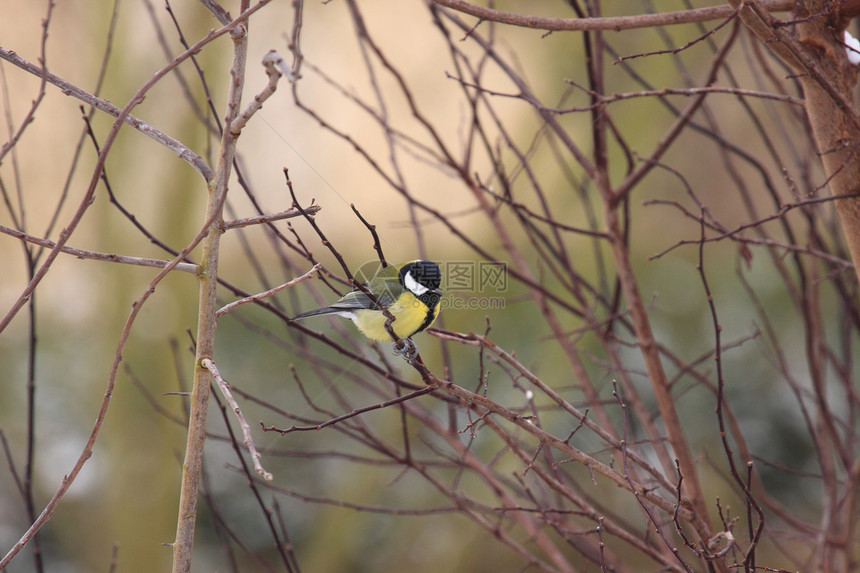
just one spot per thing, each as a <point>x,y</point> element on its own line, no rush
<point>357,299</point>
<point>353,300</point>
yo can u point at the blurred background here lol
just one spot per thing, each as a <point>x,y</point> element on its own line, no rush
<point>386,117</point>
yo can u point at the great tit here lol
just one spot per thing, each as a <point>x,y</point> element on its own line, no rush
<point>409,291</point>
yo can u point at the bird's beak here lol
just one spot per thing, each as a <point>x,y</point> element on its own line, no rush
<point>437,291</point>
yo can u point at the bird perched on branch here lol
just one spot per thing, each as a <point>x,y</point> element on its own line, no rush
<point>410,292</point>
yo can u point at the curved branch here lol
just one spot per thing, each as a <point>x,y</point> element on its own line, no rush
<point>617,23</point>
<point>68,88</point>
<point>95,255</point>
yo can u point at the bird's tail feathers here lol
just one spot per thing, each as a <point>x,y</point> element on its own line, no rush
<point>318,312</point>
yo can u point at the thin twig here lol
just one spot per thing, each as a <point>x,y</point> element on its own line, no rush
<point>610,24</point>
<point>689,44</point>
<point>752,504</point>
<point>261,219</point>
<point>87,451</point>
<point>657,523</point>
<point>271,61</point>
<point>246,429</point>
<point>97,256</point>
<point>377,246</point>
<point>273,291</point>
<point>68,88</point>
<point>348,415</point>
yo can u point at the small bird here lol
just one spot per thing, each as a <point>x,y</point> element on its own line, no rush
<point>409,291</point>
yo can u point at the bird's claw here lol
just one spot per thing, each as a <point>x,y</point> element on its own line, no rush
<point>406,347</point>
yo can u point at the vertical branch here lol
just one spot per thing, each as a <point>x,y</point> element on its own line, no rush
<point>122,116</point>
<point>836,128</point>
<point>651,355</point>
<point>207,308</point>
<point>31,259</point>
<point>645,507</point>
<point>752,505</point>
<point>817,52</point>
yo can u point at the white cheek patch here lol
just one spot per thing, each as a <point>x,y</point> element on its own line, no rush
<point>414,286</point>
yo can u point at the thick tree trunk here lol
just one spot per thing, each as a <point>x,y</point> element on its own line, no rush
<point>816,50</point>
<point>834,123</point>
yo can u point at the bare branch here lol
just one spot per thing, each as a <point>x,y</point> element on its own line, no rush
<point>94,255</point>
<point>260,219</point>
<point>616,24</point>
<point>271,292</point>
<point>246,429</point>
<point>68,88</point>
<point>273,62</point>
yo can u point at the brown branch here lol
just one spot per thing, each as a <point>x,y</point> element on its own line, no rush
<point>752,504</point>
<point>70,477</point>
<point>616,24</point>
<point>473,400</point>
<point>377,246</point>
<point>348,415</point>
<point>40,94</point>
<point>208,303</point>
<point>656,373</point>
<point>271,292</point>
<point>603,100</point>
<point>97,256</point>
<point>122,117</point>
<point>272,61</point>
<point>268,218</point>
<point>68,88</point>
<point>248,441</point>
<point>657,523</point>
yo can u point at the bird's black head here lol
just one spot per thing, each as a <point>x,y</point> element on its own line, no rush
<point>423,279</point>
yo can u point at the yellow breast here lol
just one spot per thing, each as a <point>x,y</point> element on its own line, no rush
<point>410,314</point>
